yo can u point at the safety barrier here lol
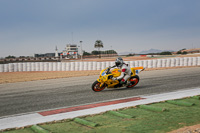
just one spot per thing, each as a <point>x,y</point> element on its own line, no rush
<point>79,66</point>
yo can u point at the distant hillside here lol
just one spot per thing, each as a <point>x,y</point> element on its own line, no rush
<point>151,51</point>
<point>197,50</point>
<point>124,53</point>
<point>146,52</point>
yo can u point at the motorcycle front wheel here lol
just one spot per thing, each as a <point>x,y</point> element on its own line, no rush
<point>133,81</point>
<point>96,86</point>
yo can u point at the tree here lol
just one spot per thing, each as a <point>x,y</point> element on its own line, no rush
<point>179,52</point>
<point>98,44</point>
<point>86,53</point>
<point>166,53</point>
<point>8,57</point>
<point>111,52</point>
<point>95,52</point>
<point>184,52</point>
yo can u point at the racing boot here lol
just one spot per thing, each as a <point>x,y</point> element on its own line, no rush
<point>123,82</point>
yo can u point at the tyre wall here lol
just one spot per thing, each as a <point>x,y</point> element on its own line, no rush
<point>80,66</point>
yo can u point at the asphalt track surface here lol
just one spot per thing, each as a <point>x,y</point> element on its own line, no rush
<point>33,96</point>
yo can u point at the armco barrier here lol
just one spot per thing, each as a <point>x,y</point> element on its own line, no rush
<point>79,66</point>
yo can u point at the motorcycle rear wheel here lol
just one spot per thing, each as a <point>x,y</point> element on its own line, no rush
<point>134,81</point>
<point>96,86</point>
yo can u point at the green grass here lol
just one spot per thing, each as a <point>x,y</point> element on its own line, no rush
<point>145,121</point>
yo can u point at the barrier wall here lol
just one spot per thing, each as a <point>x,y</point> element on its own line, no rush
<point>79,66</point>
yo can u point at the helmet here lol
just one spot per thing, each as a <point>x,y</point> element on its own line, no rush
<point>119,62</point>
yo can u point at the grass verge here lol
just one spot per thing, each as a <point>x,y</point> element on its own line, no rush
<point>145,121</point>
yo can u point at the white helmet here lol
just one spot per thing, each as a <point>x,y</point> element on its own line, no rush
<point>119,62</point>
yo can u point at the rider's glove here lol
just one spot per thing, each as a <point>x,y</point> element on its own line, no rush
<point>114,78</point>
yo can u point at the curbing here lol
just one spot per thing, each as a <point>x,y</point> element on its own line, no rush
<point>39,129</point>
<point>152,108</point>
<point>120,114</point>
<point>85,122</point>
<point>181,103</point>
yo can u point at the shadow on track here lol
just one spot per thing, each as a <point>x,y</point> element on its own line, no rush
<point>125,89</point>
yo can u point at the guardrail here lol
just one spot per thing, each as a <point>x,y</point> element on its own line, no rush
<point>80,66</point>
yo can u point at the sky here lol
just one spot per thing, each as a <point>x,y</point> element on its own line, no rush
<point>29,27</point>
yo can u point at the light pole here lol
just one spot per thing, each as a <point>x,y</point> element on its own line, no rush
<point>81,51</point>
<point>111,51</point>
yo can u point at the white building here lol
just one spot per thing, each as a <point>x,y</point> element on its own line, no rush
<point>56,52</point>
<point>71,50</point>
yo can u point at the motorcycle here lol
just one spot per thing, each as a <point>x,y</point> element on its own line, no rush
<point>106,75</point>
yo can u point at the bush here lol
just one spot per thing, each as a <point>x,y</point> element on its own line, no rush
<point>166,53</point>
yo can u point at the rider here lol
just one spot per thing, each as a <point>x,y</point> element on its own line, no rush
<point>125,70</point>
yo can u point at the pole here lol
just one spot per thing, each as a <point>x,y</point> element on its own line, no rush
<point>111,51</point>
<point>81,51</point>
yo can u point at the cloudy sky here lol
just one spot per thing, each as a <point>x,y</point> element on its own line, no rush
<point>37,26</point>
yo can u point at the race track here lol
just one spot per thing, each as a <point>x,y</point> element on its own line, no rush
<point>25,97</point>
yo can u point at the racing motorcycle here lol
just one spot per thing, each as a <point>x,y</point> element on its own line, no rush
<point>106,75</point>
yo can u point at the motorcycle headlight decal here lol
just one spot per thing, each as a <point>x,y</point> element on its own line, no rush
<point>103,73</point>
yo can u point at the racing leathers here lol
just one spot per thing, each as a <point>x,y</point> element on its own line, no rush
<point>125,73</point>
